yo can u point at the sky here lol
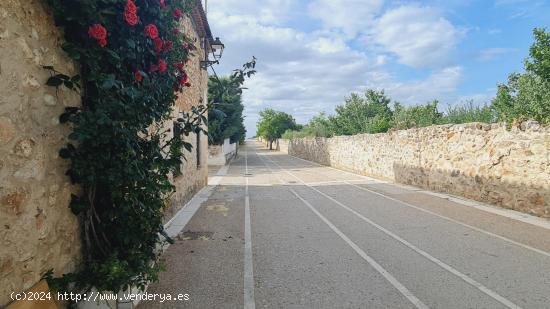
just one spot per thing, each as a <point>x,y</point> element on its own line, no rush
<point>313,54</point>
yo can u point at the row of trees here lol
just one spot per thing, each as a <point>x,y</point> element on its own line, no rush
<point>225,119</point>
<point>524,96</point>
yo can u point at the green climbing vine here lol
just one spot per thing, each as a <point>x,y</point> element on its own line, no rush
<point>132,60</point>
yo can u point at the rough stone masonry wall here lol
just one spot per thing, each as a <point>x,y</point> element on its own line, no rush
<point>37,230</point>
<point>194,175</point>
<point>488,163</point>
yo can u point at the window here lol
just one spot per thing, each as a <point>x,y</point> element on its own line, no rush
<point>198,151</point>
<point>177,131</point>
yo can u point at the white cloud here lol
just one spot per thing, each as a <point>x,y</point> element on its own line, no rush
<point>418,36</point>
<point>304,73</point>
<point>349,16</point>
<point>440,84</point>
<point>263,11</point>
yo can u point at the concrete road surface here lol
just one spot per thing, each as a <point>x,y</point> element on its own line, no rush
<point>281,232</point>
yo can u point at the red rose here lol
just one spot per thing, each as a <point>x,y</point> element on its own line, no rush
<point>179,66</point>
<point>177,14</point>
<point>130,7</point>
<point>131,19</point>
<point>99,33</point>
<point>151,31</point>
<point>187,84</point>
<point>138,76</point>
<point>158,45</point>
<point>162,3</point>
<point>103,42</point>
<point>176,30</point>
<point>162,66</point>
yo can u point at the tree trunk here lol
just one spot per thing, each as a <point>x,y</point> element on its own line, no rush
<point>270,145</point>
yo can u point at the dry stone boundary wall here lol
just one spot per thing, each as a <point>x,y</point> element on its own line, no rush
<point>488,163</point>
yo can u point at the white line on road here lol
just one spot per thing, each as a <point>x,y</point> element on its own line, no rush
<point>455,221</point>
<point>249,302</point>
<point>507,213</point>
<point>435,260</point>
<point>391,279</point>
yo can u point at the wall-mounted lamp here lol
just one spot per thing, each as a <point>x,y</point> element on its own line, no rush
<point>216,47</point>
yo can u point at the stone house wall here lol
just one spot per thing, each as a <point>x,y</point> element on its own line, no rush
<point>194,171</point>
<point>487,163</point>
<point>38,232</point>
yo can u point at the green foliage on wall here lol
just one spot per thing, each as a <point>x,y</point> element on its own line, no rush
<point>132,60</point>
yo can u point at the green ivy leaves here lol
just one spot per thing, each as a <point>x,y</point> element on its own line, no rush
<point>120,154</point>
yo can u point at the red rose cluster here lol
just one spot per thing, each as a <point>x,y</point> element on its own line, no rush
<point>162,46</point>
<point>99,33</point>
<point>151,31</point>
<point>183,78</point>
<point>130,13</point>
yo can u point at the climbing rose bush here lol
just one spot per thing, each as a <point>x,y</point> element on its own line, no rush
<point>132,60</point>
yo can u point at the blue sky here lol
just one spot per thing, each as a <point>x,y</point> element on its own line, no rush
<point>312,54</point>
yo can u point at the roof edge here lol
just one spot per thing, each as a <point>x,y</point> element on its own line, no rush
<point>198,15</point>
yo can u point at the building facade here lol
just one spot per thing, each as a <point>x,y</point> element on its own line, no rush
<point>38,232</point>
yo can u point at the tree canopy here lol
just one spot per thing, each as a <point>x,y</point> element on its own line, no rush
<point>527,95</point>
<point>225,120</point>
<point>273,124</point>
<point>369,113</point>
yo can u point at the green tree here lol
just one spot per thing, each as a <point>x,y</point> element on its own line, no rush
<point>362,114</point>
<point>527,95</point>
<point>225,120</point>
<point>422,115</point>
<point>273,124</point>
<point>319,126</point>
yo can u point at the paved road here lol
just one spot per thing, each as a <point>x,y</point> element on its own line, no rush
<point>281,232</point>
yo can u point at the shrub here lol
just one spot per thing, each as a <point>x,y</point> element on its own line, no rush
<point>416,116</point>
<point>469,113</point>
<point>362,114</point>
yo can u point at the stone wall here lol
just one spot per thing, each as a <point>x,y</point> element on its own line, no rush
<point>282,145</point>
<point>488,163</point>
<point>222,154</point>
<point>38,232</point>
<point>194,170</point>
